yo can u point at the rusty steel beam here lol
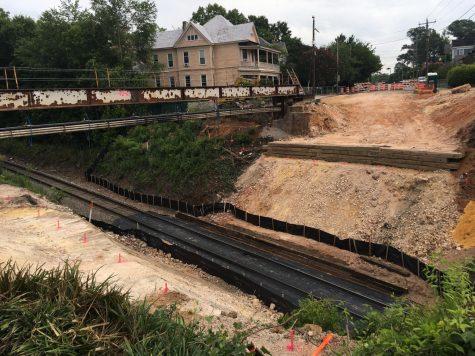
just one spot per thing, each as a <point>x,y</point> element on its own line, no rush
<point>32,99</point>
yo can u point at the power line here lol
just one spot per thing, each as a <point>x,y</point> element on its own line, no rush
<point>436,6</point>
<point>383,43</point>
<point>466,12</point>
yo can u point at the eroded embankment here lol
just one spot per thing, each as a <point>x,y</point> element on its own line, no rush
<point>413,211</point>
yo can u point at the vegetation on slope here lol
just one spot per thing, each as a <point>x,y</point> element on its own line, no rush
<point>62,311</point>
<point>445,328</point>
<point>175,159</point>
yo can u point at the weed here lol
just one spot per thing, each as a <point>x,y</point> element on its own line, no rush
<point>53,194</point>
<point>62,311</point>
<point>323,312</point>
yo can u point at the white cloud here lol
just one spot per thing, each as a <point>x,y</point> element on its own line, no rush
<point>374,21</point>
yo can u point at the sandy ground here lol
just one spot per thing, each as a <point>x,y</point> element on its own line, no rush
<point>395,119</point>
<point>30,234</point>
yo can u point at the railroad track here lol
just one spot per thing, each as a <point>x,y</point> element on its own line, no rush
<point>273,277</point>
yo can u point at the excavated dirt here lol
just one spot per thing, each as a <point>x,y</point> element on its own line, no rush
<point>397,119</point>
<point>413,211</point>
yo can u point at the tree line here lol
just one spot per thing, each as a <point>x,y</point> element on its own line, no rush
<point>119,34</point>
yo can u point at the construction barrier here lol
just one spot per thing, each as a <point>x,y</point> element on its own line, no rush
<point>364,248</point>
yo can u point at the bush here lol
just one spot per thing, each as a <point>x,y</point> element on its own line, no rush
<point>325,313</point>
<point>172,159</point>
<point>446,328</point>
<point>61,311</point>
<point>462,74</point>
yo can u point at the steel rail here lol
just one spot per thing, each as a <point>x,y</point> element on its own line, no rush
<point>89,125</point>
<point>353,296</point>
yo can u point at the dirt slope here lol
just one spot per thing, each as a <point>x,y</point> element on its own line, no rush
<point>396,119</point>
<point>414,211</point>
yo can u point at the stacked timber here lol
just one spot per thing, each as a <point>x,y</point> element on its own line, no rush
<point>376,155</point>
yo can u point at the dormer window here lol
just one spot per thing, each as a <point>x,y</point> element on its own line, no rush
<point>192,37</point>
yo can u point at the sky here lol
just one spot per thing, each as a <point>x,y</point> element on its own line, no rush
<point>383,23</point>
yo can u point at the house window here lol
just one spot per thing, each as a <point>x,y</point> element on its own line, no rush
<point>158,82</point>
<point>244,55</point>
<point>275,58</point>
<point>204,81</point>
<point>170,60</point>
<point>155,58</point>
<point>202,56</point>
<point>192,37</point>
<point>187,81</point>
<point>186,59</point>
<point>171,81</point>
<point>263,56</point>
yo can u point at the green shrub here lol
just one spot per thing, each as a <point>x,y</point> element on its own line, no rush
<point>173,159</point>
<point>462,74</point>
<point>325,313</point>
<point>62,311</point>
<point>446,328</point>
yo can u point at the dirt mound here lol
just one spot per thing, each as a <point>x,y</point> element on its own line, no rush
<point>413,211</point>
<point>326,118</point>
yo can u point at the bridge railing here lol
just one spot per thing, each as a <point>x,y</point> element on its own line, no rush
<point>30,99</point>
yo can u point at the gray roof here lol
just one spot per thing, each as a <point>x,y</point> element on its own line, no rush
<point>167,39</point>
<point>216,30</point>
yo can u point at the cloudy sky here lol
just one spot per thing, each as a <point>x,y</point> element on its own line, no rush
<point>381,22</point>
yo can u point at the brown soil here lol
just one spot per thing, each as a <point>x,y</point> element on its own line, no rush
<point>464,232</point>
<point>396,119</point>
<point>413,211</point>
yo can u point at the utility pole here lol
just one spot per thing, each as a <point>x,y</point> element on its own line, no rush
<point>427,44</point>
<point>314,49</point>
<point>337,62</point>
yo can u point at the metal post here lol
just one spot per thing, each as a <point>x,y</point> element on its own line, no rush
<point>427,45</point>
<point>108,77</point>
<point>97,79</point>
<point>16,78</point>
<point>6,77</point>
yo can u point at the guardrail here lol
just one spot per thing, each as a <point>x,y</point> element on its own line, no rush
<point>88,125</point>
<point>31,99</point>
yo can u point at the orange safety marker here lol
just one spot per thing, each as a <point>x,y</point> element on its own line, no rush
<point>84,238</point>
<point>120,259</point>
<point>324,343</point>
<point>165,289</point>
<point>57,225</point>
<point>291,346</point>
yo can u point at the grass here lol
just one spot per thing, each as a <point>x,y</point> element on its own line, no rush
<point>62,311</point>
<point>53,194</point>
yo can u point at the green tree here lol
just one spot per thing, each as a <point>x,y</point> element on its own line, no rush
<point>204,14</point>
<point>415,53</point>
<point>462,29</point>
<point>12,31</point>
<point>356,60</point>
<point>113,33</point>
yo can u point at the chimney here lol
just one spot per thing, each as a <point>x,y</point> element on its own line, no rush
<point>184,25</point>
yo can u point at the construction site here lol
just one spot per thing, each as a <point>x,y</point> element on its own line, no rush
<point>187,179</point>
<point>386,168</point>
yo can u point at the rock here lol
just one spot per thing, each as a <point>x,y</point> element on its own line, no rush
<point>232,314</point>
<point>272,306</point>
<point>279,329</point>
<point>313,328</point>
<point>256,302</point>
<point>461,89</point>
